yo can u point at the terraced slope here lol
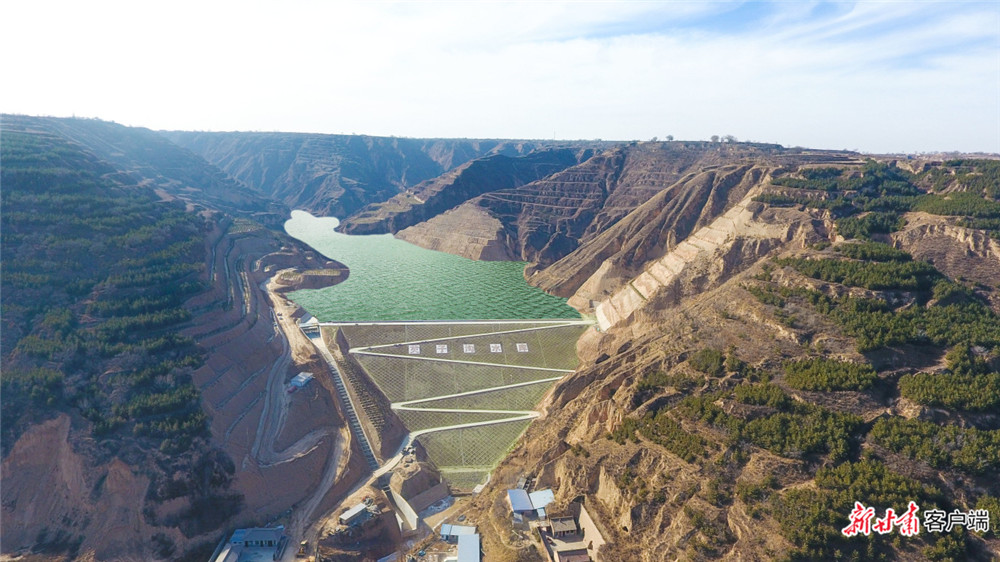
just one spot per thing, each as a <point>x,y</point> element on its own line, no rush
<point>147,159</point>
<point>144,408</point>
<point>474,178</point>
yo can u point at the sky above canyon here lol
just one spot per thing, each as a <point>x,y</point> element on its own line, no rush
<point>870,76</point>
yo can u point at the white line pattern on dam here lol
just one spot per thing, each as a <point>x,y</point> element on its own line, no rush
<point>434,402</point>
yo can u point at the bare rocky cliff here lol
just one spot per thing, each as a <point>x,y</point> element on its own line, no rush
<point>949,246</point>
<point>608,259</point>
<point>708,256</point>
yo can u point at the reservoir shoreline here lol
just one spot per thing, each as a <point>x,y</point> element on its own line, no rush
<point>393,280</point>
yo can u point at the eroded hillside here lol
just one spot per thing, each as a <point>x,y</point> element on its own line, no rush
<point>783,333</point>
<point>566,225</point>
<point>337,175</point>
<point>482,175</point>
<point>777,365</point>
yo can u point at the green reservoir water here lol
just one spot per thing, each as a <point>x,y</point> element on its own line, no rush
<point>394,280</point>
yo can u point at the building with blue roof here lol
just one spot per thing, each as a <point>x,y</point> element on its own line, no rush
<point>451,532</point>
<point>468,548</point>
<point>520,503</point>
<point>540,499</point>
<point>251,544</point>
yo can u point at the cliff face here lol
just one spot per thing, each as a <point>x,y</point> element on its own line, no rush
<point>540,218</point>
<point>337,175</point>
<point>949,247</point>
<point>607,259</point>
<point>708,256</point>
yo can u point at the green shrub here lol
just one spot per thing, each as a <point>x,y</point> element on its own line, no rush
<point>812,518</point>
<point>625,431</point>
<point>973,393</point>
<point>967,449</point>
<point>762,395</point>
<point>913,276</point>
<point>708,361</point>
<point>958,204</point>
<point>992,505</point>
<point>873,251</point>
<point>827,374</point>
<point>795,431</point>
<point>663,430</point>
<point>866,225</point>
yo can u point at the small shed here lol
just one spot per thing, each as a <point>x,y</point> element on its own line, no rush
<point>353,515</point>
<point>520,503</point>
<point>468,548</point>
<point>301,379</point>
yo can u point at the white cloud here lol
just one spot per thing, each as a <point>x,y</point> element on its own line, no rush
<point>874,76</point>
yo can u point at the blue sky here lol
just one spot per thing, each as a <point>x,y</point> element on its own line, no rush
<point>872,76</point>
